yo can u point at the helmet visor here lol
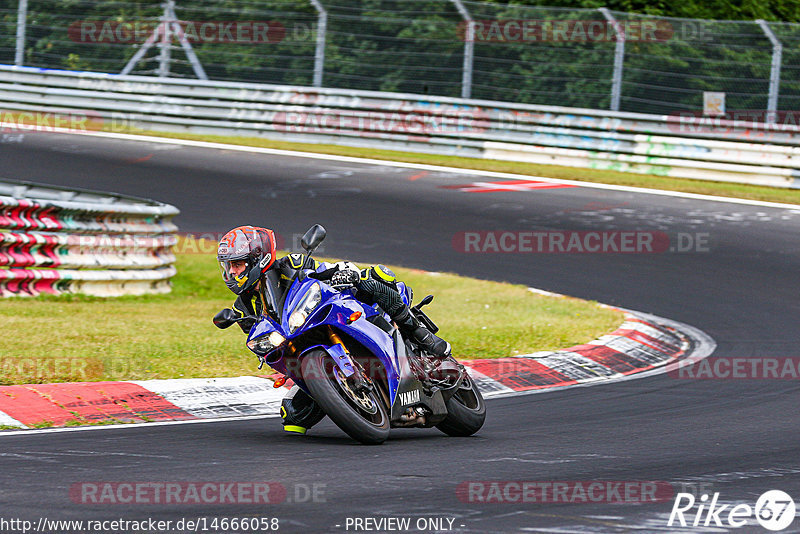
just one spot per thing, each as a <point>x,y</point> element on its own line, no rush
<point>234,271</point>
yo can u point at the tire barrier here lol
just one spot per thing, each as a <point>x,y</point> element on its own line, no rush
<point>55,240</point>
<point>689,145</point>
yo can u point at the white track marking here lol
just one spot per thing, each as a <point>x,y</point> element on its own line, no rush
<point>7,420</point>
<point>33,432</point>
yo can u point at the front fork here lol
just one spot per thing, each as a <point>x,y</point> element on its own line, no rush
<point>361,382</point>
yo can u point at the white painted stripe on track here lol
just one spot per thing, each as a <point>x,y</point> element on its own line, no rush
<point>422,166</point>
<point>35,431</point>
<point>210,398</point>
<point>491,387</point>
<point>7,420</point>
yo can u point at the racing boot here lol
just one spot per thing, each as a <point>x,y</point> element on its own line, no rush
<point>411,327</point>
<point>299,412</point>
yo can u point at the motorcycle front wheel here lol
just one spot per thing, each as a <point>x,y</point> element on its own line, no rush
<point>361,414</point>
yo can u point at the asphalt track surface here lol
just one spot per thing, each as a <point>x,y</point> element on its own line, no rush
<point>736,437</point>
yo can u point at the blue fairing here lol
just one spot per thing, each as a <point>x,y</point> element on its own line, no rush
<point>334,309</point>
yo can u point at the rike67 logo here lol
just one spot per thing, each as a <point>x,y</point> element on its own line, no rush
<point>774,510</point>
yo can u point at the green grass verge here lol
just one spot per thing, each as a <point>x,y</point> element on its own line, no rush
<point>752,192</point>
<point>80,338</point>
<point>77,422</point>
<point>42,424</point>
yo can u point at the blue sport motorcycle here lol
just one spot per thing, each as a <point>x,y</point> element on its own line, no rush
<point>352,360</point>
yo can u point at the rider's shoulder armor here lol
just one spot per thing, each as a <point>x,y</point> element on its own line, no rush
<point>295,261</point>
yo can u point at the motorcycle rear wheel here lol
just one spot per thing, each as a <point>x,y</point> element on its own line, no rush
<point>466,410</point>
<point>362,415</point>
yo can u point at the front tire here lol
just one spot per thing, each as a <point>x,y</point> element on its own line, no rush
<point>466,410</point>
<point>362,415</point>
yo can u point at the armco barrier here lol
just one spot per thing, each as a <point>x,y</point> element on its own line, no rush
<point>55,240</point>
<point>688,147</point>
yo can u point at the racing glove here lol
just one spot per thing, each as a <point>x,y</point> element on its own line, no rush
<point>345,277</point>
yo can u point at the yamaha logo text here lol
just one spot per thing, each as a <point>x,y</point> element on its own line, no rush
<point>409,397</point>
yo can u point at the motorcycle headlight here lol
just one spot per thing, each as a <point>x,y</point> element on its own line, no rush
<point>265,344</point>
<point>305,307</point>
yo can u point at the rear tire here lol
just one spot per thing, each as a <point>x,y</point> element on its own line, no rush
<point>361,415</point>
<point>466,410</point>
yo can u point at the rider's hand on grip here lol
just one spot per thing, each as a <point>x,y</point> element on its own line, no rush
<point>346,277</point>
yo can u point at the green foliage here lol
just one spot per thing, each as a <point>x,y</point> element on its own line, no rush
<point>785,10</point>
<point>42,424</point>
<point>417,47</point>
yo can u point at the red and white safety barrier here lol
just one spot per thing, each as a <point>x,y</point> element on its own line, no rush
<point>55,240</point>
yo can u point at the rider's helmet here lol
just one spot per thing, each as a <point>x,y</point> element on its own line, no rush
<point>255,246</point>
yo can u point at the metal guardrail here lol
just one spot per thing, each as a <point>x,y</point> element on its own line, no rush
<point>679,146</point>
<point>498,50</point>
<point>55,240</point>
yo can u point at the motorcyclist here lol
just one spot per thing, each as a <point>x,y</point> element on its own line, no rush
<point>247,253</point>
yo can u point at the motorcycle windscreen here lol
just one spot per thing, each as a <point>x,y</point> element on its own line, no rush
<point>271,293</point>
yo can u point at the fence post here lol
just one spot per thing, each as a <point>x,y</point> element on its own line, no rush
<point>319,54</point>
<point>185,44</point>
<point>774,72</point>
<point>469,49</point>
<point>169,24</point>
<point>165,45</point>
<point>619,57</point>
<point>22,15</point>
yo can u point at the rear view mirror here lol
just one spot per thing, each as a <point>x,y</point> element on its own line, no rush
<point>225,318</point>
<point>313,237</point>
<point>424,302</point>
